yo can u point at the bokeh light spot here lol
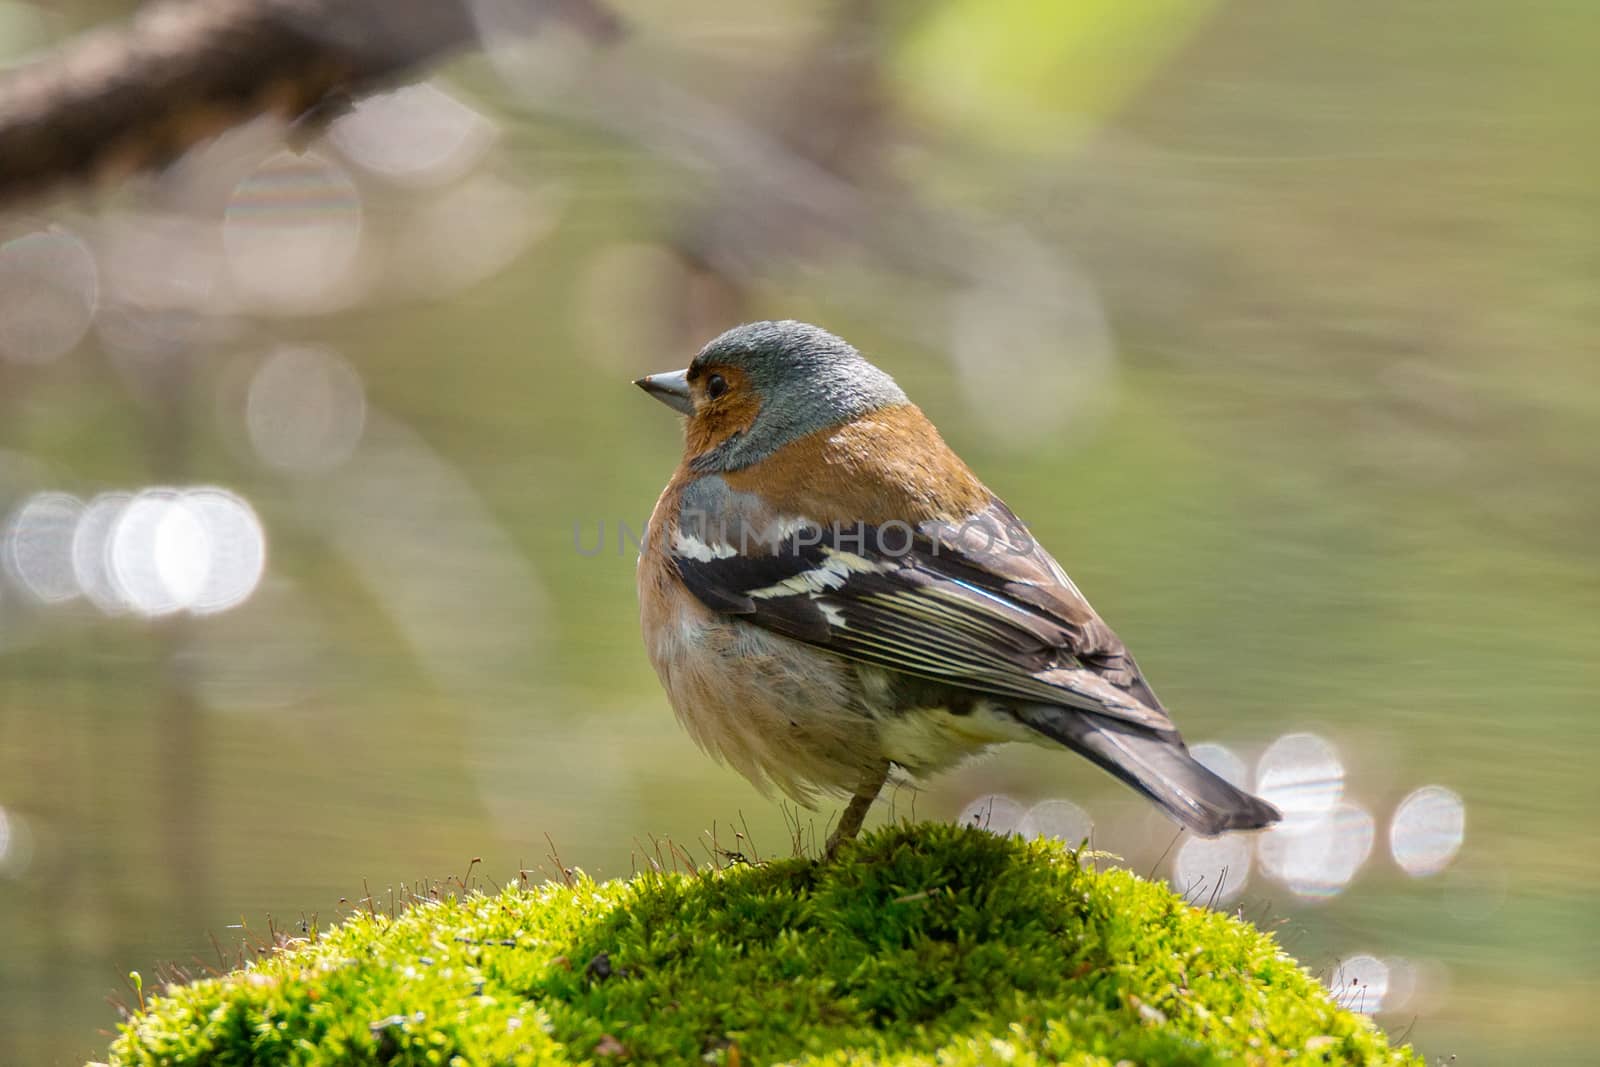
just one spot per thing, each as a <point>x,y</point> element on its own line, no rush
<point>417,135</point>
<point>1317,860</point>
<point>1060,819</point>
<point>237,549</point>
<point>91,552</point>
<point>182,552</point>
<point>305,410</point>
<point>996,813</point>
<point>154,544</point>
<point>49,291</point>
<point>1427,830</point>
<point>291,232</point>
<point>1223,762</point>
<point>1212,870</point>
<point>1404,980</point>
<point>1360,984</point>
<point>1303,776</point>
<point>201,550</point>
<point>38,546</point>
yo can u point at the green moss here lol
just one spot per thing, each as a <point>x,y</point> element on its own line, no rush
<point>926,944</point>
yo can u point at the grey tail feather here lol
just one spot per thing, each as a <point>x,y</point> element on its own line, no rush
<point>1160,768</point>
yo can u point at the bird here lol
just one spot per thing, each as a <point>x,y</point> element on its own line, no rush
<point>831,598</point>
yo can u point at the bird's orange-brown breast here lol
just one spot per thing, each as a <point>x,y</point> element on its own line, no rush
<point>889,465</point>
<point>657,576</point>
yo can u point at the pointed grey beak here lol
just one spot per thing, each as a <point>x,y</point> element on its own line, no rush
<point>671,388</point>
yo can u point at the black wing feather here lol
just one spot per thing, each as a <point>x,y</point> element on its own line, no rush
<point>934,609</point>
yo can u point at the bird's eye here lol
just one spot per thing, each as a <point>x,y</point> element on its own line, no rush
<point>716,385</point>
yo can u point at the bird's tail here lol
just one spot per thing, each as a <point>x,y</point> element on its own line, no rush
<point>1160,768</point>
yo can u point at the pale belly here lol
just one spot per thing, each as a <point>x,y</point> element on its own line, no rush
<point>927,740</point>
<point>774,710</point>
<point>784,714</point>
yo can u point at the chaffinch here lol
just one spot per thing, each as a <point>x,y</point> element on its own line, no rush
<point>828,594</point>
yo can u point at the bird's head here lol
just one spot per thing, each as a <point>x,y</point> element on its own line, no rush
<point>763,385</point>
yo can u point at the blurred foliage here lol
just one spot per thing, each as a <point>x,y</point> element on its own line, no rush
<point>968,66</point>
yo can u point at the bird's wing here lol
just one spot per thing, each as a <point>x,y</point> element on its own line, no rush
<point>978,605</point>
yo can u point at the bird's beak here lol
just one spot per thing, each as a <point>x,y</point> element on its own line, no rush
<point>671,388</point>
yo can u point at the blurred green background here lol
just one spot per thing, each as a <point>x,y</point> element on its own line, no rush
<point>1278,322</point>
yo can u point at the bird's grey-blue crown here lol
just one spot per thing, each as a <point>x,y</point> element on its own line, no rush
<point>808,380</point>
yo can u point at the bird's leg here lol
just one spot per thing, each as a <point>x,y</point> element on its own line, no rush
<point>855,813</point>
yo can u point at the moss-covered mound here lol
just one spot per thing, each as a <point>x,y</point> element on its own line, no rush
<point>925,944</point>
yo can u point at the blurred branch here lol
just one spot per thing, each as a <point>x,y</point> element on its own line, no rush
<point>116,101</point>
